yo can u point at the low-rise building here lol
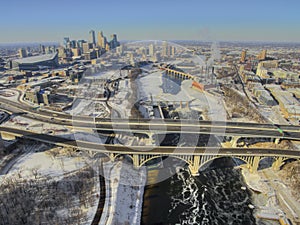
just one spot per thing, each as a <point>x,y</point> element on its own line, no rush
<point>289,105</point>
<point>262,95</point>
<point>249,76</point>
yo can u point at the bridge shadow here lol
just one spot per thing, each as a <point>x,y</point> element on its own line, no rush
<point>188,140</point>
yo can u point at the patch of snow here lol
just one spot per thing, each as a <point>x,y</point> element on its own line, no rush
<point>46,165</point>
<point>125,189</point>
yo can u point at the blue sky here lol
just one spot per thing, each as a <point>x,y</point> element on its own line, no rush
<point>51,20</point>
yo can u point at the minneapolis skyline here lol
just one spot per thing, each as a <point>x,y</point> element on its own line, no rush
<point>233,20</point>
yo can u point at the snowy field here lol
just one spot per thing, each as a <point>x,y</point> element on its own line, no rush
<point>79,107</point>
<point>45,164</point>
<point>124,194</point>
<point>36,126</point>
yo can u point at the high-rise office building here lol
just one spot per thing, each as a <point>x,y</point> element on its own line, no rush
<point>22,53</point>
<point>156,57</point>
<point>107,47</point>
<point>75,52</point>
<point>72,44</point>
<point>92,37</point>
<point>262,55</point>
<point>151,50</point>
<point>114,42</point>
<point>62,52</point>
<point>173,51</point>
<point>42,49</point>
<point>80,44</point>
<point>101,40</point>
<point>243,56</point>
<point>66,41</point>
<point>166,49</point>
<point>85,47</point>
<point>99,52</point>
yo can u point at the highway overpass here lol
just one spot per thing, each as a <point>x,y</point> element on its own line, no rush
<point>157,126</point>
<point>195,157</point>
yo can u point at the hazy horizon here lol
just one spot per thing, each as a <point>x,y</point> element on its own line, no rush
<point>203,41</point>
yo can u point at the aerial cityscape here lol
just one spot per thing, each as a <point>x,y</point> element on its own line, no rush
<point>141,120</point>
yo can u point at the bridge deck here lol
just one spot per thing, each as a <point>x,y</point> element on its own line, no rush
<point>142,150</point>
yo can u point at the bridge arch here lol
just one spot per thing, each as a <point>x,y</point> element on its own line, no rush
<point>204,162</point>
<point>152,157</point>
<point>99,154</point>
<point>272,160</point>
<point>286,161</point>
<point>122,155</point>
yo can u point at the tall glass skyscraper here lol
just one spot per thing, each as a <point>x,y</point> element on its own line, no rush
<point>92,37</point>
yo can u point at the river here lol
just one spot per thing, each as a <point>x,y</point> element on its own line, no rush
<point>215,197</point>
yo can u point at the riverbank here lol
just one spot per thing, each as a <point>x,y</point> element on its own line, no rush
<point>124,193</point>
<point>271,197</point>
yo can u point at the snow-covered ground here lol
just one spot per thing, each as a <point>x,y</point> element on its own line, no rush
<point>79,107</point>
<point>55,164</point>
<point>120,102</point>
<point>205,101</point>
<point>36,126</point>
<point>89,137</point>
<point>266,202</point>
<point>10,94</point>
<point>123,108</point>
<point>124,194</point>
<point>93,107</point>
<point>131,140</point>
<point>45,164</point>
<point>151,85</point>
<point>107,74</point>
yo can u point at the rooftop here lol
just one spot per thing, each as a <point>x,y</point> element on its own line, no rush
<point>36,59</point>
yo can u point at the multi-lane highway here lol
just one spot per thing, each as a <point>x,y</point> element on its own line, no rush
<point>156,125</point>
<point>162,150</point>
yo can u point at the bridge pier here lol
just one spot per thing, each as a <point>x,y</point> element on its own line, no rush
<point>111,157</point>
<point>254,164</point>
<point>277,141</point>
<point>161,112</point>
<point>234,141</point>
<point>195,166</point>
<point>136,161</point>
<point>277,164</point>
<point>187,105</point>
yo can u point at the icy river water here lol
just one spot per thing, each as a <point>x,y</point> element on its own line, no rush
<point>215,197</point>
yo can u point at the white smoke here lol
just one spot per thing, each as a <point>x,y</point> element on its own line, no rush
<point>215,54</point>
